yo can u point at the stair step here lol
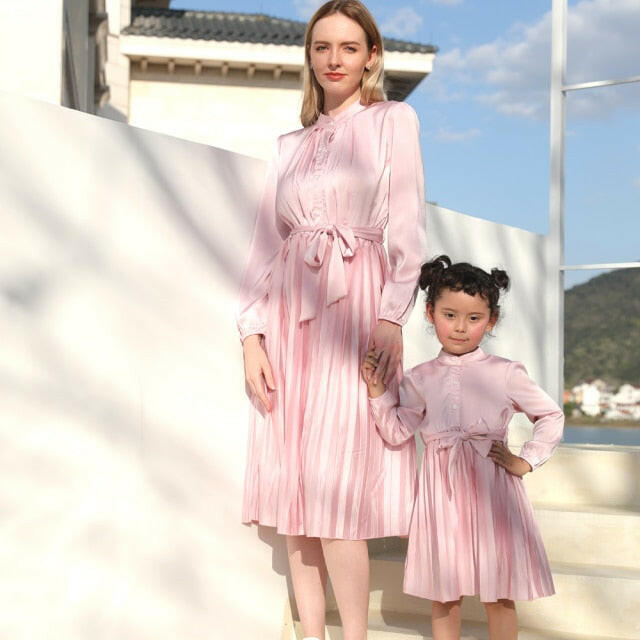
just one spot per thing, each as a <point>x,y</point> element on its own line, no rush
<point>587,475</point>
<point>591,534</point>
<point>408,626</point>
<point>582,534</point>
<point>589,599</point>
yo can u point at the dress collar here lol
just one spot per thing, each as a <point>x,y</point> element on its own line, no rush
<point>466,358</point>
<point>328,121</point>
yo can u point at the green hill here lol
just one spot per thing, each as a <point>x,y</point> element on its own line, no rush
<point>602,329</point>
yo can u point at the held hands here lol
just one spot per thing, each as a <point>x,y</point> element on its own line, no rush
<point>386,341</point>
<point>368,368</point>
<point>257,370</point>
<point>501,455</point>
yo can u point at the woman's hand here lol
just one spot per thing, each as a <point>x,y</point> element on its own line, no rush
<point>501,455</point>
<point>368,367</point>
<point>386,341</point>
<point>257,370</point>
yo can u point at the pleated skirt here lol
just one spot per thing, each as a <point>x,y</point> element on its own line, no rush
<point>316,465</point>
<point>481,540</point>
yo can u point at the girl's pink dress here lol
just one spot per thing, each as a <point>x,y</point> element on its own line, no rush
<point>316,283</point>
<point>473,531</point>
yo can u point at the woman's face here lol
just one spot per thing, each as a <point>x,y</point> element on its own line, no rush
<point>339,55</point>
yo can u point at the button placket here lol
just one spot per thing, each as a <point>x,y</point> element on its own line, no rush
<point>454,393</point>
<point>319,168</point>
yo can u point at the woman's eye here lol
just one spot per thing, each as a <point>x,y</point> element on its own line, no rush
<point>448,315</point>
<point>351,49</point>
<point>319,47</point>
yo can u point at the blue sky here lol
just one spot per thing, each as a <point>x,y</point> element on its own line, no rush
<point>484,112</point>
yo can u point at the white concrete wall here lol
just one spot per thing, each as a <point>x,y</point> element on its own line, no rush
<point>226,112</point>
<point>31,48</point>
<point>123,416</point>
<point>123,423</point>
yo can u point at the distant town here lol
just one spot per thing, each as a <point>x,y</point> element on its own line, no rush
<point>597,400</point>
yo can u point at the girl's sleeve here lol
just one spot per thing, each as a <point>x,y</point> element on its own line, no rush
<point>547,417</point>
<point>268,237</point>
<point>400,410</point>
<point>406,232</point>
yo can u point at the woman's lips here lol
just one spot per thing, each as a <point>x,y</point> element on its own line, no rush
<point>334,76</point>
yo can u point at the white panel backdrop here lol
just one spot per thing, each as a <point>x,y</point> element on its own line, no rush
<point>123,420</point>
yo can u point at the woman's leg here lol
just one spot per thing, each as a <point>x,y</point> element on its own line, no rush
<point>503,620</point>
<point>445,620</point>
<point>348,565</point>
<point>309,577</point>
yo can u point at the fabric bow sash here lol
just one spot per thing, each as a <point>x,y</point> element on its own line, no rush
<point>477,435</point>
<point>339,242</point>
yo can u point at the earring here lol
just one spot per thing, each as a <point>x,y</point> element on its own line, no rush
<point>366,68</point>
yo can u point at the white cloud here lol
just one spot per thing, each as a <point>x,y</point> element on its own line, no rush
<point>403,23</point>
<point>306,8</point>
<point>446,135</point>
<point>511,74</point>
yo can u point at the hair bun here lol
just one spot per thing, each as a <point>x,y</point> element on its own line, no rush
<point>500,278</point>
<point>431,271</point>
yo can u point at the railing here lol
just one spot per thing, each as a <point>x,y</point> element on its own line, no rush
<point>559,89</point>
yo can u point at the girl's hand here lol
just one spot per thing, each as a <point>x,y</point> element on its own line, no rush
<point>501,455</point>
<point>368,367</point>
<point>386,341</point>
<point>257,370</point>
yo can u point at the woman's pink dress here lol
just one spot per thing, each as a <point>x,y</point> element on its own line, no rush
<point>473,530</point>
<point>316,283</point>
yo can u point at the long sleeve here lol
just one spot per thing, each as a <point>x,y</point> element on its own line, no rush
<point>268,237</point>
<point>406,223</point>
<point>398,415</point>
<point>547,417</point>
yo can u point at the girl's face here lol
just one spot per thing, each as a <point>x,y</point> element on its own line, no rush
<point>339,55</point>
<point>460,320</point>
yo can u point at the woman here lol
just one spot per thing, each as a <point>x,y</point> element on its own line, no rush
<point>317,292</point>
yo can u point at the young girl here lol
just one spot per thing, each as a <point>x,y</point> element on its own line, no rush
<point>472,531</point>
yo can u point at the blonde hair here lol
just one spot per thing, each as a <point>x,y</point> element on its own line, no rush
<point>371,85</point>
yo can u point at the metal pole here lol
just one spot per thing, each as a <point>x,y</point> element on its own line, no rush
<point>600,265</point>
<point>600,83</point>
<point>555,254</point>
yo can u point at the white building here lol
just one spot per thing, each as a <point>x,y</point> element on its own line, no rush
<point>587,395</point>
<point>230,80</point>
<point>625,404</point>
<point>628,394</point>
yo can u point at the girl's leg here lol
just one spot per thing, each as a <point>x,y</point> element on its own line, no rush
<point>309,577</point>
<point>503,620</point>
<point>445,620</point>
<point>348,565</point>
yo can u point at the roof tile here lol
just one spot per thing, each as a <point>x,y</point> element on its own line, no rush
<point>234,27</point>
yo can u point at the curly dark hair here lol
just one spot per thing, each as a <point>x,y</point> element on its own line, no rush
<point>440,273</point>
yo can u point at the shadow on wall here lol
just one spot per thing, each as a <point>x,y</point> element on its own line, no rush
<point>121,383</point>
